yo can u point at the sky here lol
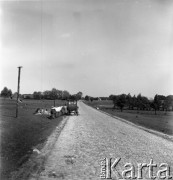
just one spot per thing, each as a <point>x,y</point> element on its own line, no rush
<point>98,47</point>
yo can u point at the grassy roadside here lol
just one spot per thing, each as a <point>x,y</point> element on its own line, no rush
<point>161,122</point>
<point>20,135</point>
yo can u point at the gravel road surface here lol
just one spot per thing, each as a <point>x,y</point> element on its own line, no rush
<point>92,136</point>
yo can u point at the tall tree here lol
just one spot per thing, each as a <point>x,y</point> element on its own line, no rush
<point>129,100</point>
<point>111,97</point>
<point>47,94</point>
<point>121,101</point>
<point>87,98</point>
<point>114,99</point>
<point>79,95</point>
<point>65,95</point>
<point>6,92</point>
<point>54,93</point>
<point>134,102</point>
<point>73,97</point>
<point>145,103</point>
<point>139,101</point>
<point>37,95</point>
<point>156,103</point>
<point>168,103</point>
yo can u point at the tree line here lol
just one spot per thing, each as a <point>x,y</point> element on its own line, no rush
<point>52,94</point>
<point>56,94</point>
<point>139,102</point>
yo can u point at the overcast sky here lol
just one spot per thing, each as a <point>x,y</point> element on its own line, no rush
<point>99,47</point>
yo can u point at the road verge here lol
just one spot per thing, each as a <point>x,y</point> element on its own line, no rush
<point>35,164</point>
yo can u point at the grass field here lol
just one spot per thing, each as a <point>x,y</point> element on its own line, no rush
<point>162,122</point>
<point>20,135</point>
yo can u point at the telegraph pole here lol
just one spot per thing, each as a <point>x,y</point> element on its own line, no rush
<point>18,90</point>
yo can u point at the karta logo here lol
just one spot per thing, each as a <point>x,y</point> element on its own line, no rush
<point>109,169</point>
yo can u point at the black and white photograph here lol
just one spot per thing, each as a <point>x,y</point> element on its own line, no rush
<point>86,89</point>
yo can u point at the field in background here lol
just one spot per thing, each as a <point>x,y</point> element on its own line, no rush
<point>162,122</point>
<point>20,135</point>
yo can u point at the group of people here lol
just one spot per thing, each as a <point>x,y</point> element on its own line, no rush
<point>41,111</point>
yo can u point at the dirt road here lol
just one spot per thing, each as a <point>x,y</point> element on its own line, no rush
<point>92,136</point>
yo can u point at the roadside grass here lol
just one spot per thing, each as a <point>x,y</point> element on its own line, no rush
<point>162,122</point>
<point>20,135</point>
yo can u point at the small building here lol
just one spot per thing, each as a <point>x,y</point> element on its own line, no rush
<point>14,96</point>
<point>27,96</point>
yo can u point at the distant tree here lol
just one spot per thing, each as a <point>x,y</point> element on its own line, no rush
<point>65,95</point>
<point>54,93</point>
<point>91,99</point>
<point>121,101</point>
<point>155,104</point>
<point>47,94</point>
<point>9,93</point>
<point>37,95</point>
<point>111,97</point>
<point>58,94</point>
<point>73,97</point>
<point>114,99</point>
<point>79,95</point>
<point>129,101</point>
<point>87,98</point>
<point>145,103</point>
<point>162,100</point>
<point>6,92</point>
<point>104,98</point>
<point>27,97</point>
<point>133,102</point>
<point>142,102</point>
<point>161,97</point>
<point>139,101</point>
<point>168,103</point>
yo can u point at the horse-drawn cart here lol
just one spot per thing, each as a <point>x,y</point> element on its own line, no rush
<point>72,107</point>
<point>57,111</point>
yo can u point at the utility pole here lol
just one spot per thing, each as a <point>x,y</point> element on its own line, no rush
<point>18,90</point>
